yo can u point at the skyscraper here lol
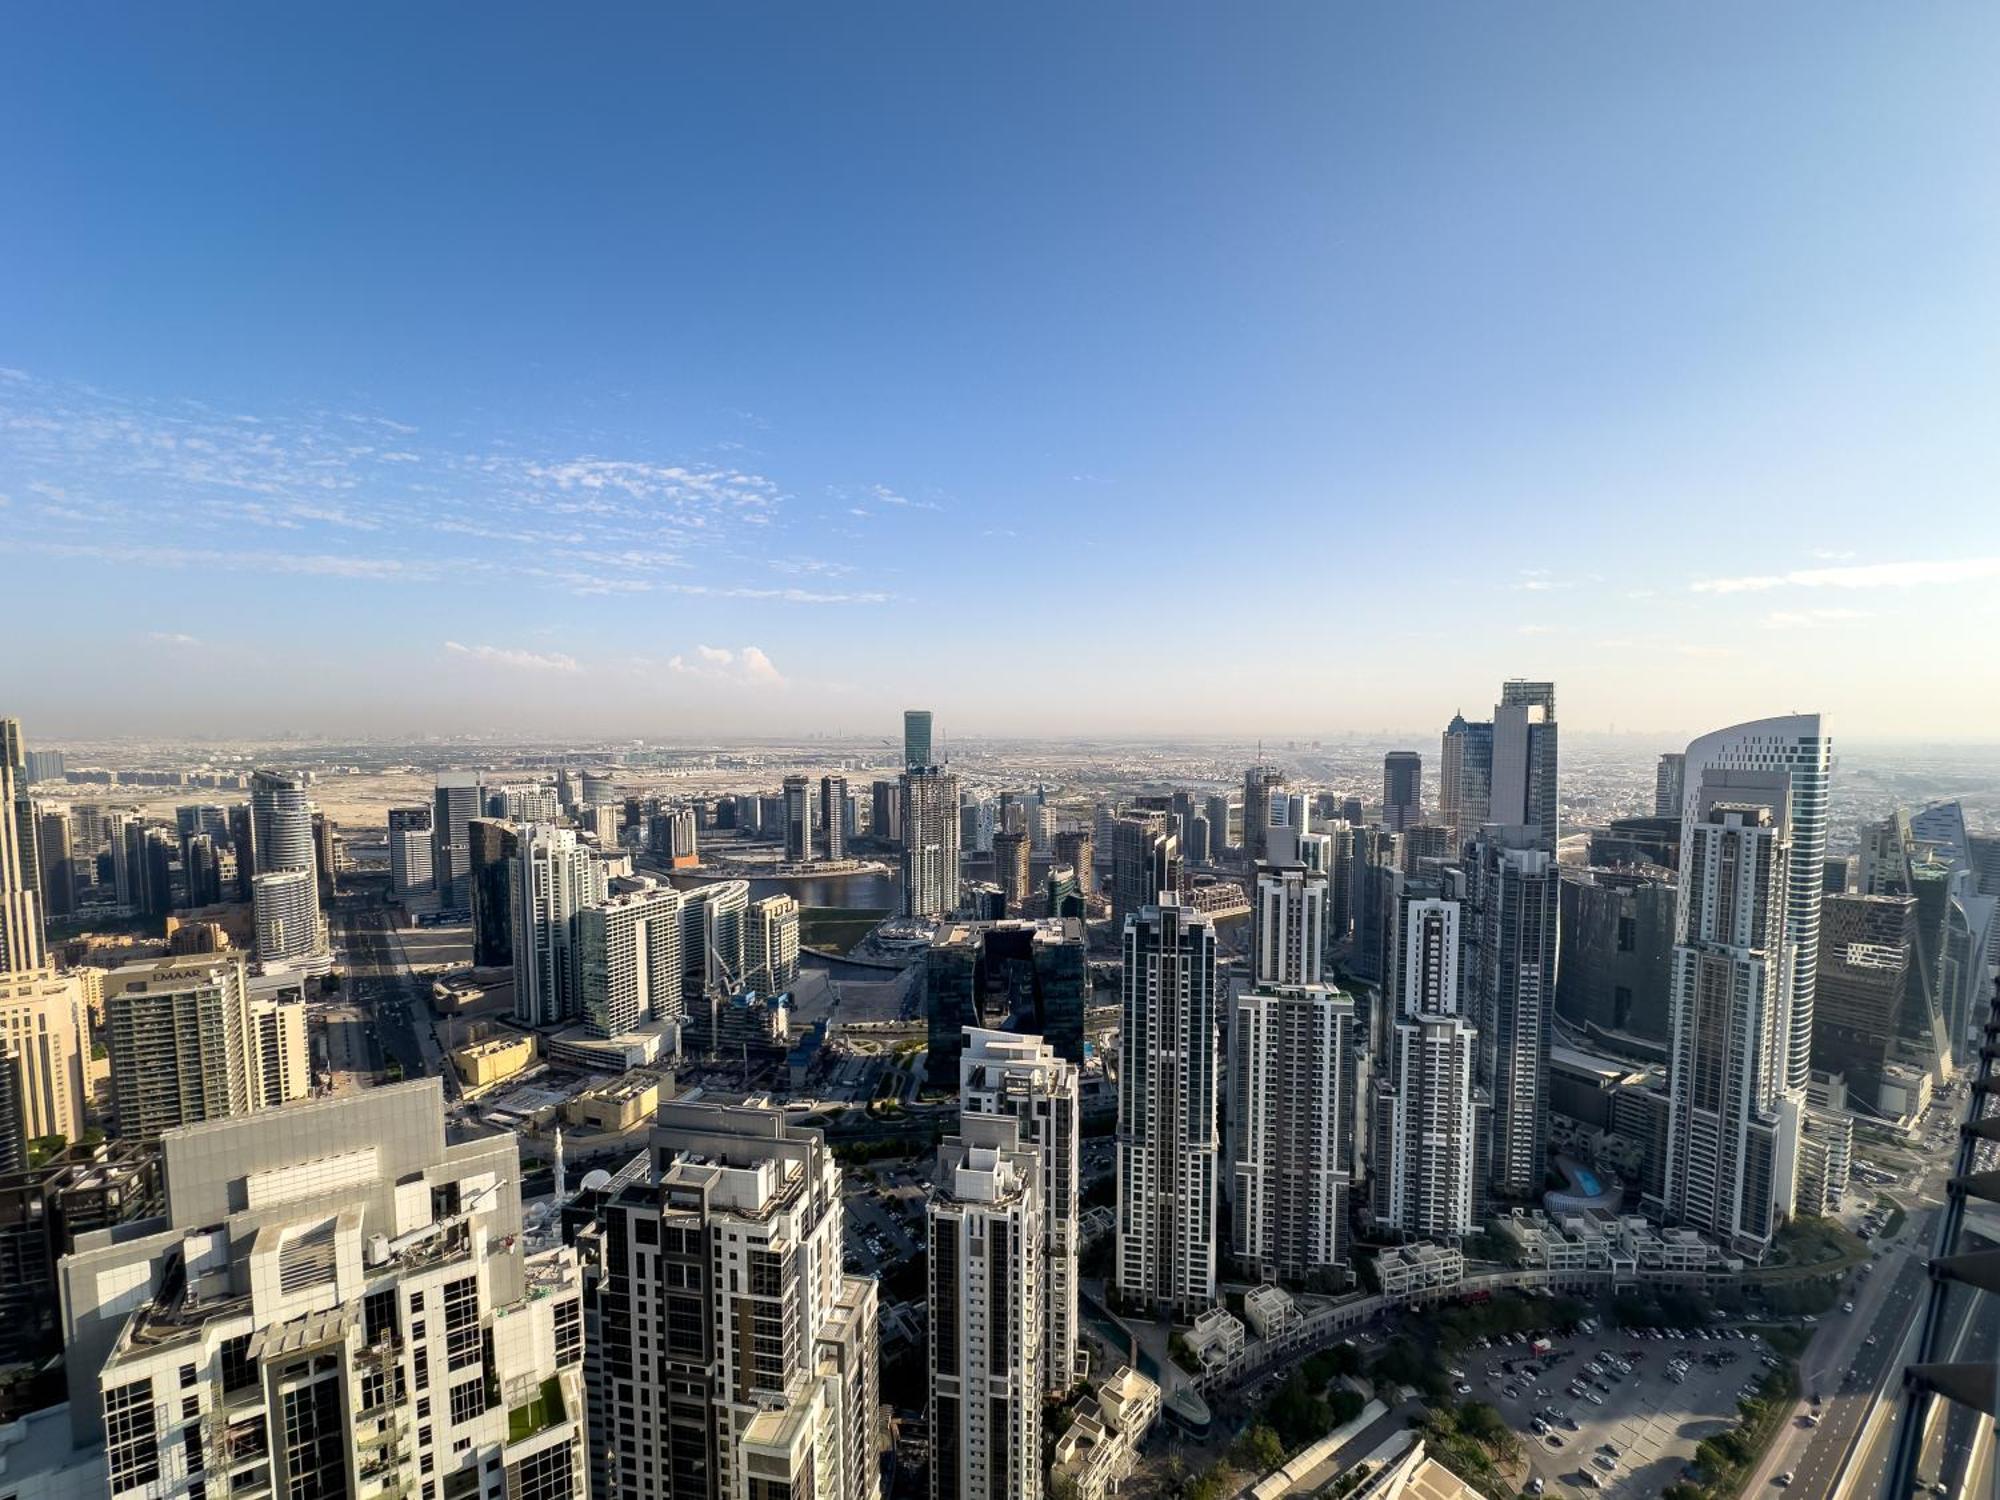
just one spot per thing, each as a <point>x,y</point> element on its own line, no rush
<point>56,839</point>
<point>1524,782</point>
<point>20,912</point>
<point>1260,784</point>
<point>629,960</point>
<point>986,1314</point>
<point>798,820</point>
<point>1402,790</point>
<point>1797,747</point>
<point>1145,863</point>
<point>1670,785</point>
<point>917,739</point>
<point>885,824</point>
<point>1732,1128</point>
<point>1290,1044</point>
<point>930,840</point>
<point>281,813</point>
<point>554,878</point>
<point>724,1329</point>
<point>1429,1119</point>
<point>492,847</point>
<point>1010,866</point>
<point>1004,1073</point>
<point>1512,908</point>
<point>284,909</point>
<point>1465,777</point>
<point>1168,1153</point>
<point>455,803</point>
<point>833,814</point>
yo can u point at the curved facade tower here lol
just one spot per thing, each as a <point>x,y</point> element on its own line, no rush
<point>1797,746</point>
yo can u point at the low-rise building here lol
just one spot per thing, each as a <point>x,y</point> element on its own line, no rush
<point>1268,1310</point>
<point>622,1104</point>
<point>1216,1337</point>
<point>494,1058</point>
<point>1097,1451</point>
<point>1420,1270</point>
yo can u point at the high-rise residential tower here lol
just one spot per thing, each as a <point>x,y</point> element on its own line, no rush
<point>1732,1127</point>
<point>1168,1152</point>
<point>986,1314</point>
<point>20,911</point>
<point>729,1356</point>
<point>1797,747</point>
<point>1513,904</point>
<point>1145,863</point>
<point>1291,1038</point>
<point>1402,790</point>
<point>930,840</point>
<point>628,950</point>
<point>771,944</point>
<point>798,820</point>
<point>834,815</point>
<point>1429,1117</point>
<point>410,851</point>
<point>554,878</point>
<point>1524,782</point>
<point>1007,1073</point>
<point>1010,868</point>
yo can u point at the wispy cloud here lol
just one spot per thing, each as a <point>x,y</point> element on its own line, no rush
<point>1805,619</point>
<point>888,496</point>
<point>1536,630</point>
<point>1892,575</point>
<point>182,484</point>
<point>513,656</point>
<point>748,666</point>
<point>172,638</point>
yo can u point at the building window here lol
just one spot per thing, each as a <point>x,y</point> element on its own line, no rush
<point>131,1440</point>
<point>468,1400</point>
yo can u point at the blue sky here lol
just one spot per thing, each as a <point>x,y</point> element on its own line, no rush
<point>1284,368</point>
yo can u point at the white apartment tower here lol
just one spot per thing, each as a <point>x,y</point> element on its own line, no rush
<point>336,1303</point>
<point>730,1357</point>
<point>1429,1119</point>
<point>1796,747</point>
<point>1169,1156</point>
<point>1006,1073</point>
<point>986,1328</point>
<point>771,944</point>
<point>554,878</point>
<point>1732,1128</point>
<point>629,960</point>
<point>1291,1068</point>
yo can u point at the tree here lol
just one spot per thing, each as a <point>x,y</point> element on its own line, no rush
<point>1482,1423</point>
<point>1345,1406</point>
<point>1259,1450</point>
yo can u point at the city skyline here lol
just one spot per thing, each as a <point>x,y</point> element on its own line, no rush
<point>634,443</point>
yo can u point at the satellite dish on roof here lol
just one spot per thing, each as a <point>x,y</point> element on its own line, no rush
<point>595,1178</point>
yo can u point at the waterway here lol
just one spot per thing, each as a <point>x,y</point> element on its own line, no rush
<point>878,890</point>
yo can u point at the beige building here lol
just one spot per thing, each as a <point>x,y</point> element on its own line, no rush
<point>492,1060</point>
<point>188,1044</point>
<point>42,1024</point>
<point>620,1105</point>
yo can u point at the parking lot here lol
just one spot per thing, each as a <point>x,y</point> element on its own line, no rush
<point>1650,1421</point>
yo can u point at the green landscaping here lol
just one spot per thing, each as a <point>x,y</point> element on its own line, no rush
<point>1475,1443</point>
<point>837,929</point>
<point>544,1409</point>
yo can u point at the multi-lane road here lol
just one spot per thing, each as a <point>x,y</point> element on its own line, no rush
<point>381,986</point>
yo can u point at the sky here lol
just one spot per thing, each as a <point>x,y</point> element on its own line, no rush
<point>1099,369</point>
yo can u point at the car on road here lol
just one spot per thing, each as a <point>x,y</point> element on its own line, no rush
<point>1535,1485</point>
<point>1783,1479</point>
<point>1464,1389</point>
<point>1871,1341</point>
<point>1847,1307</point>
